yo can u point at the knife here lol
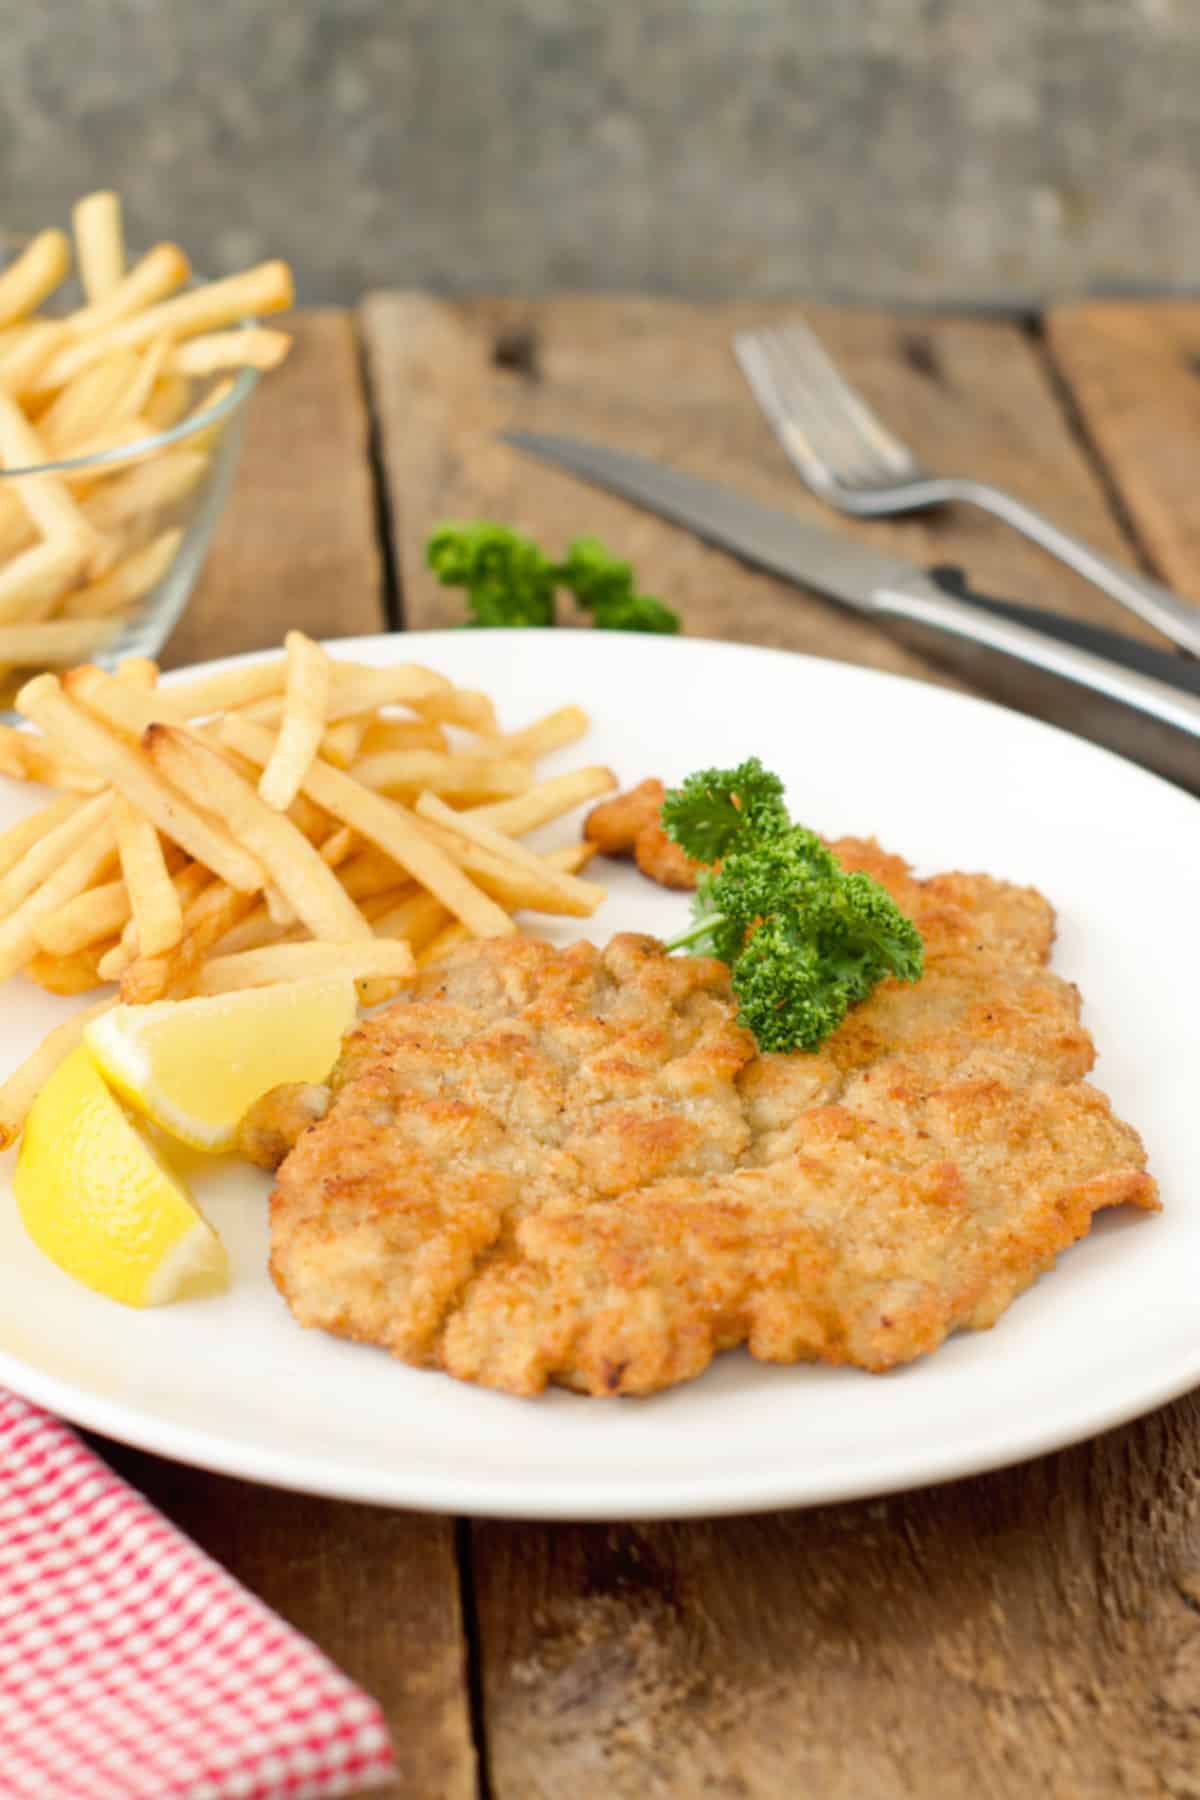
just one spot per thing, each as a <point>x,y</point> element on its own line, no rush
<point>1104,685</point>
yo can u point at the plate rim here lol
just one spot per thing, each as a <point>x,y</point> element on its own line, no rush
<point>500,1496</point>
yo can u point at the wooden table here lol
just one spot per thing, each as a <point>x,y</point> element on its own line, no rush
<point>1034,1631</point>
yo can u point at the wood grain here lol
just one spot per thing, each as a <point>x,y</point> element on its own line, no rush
<point>658,377</point>
<point>1134,371</point>
<point>1036,1631</point>
<point>296,545</point>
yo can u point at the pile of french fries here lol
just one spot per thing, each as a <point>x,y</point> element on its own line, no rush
<point>276,820</point>
<point>79,549</point>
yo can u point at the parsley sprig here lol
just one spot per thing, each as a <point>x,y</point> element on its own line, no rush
<point>510,581</point>
<point>805,939</point>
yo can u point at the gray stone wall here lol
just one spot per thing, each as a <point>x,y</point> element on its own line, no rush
<point>993,151</point>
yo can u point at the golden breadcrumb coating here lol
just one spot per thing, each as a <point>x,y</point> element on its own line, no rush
<point>572,1166</point>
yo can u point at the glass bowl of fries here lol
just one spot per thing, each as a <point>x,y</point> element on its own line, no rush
<point>123,394</point>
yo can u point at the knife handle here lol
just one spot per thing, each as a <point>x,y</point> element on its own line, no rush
<point>1173,666</point>
<point>1018,661</point>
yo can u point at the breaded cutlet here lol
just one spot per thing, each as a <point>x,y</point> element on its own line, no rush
<point>572,1165</point>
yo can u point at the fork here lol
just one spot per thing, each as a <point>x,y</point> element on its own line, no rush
<point>849,457</point>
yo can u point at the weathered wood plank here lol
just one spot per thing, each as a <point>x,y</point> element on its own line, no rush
<point>1134,372</point>
<point>1030,1632</point>
<point>376,1591</point>
<point>659,377</point>
<point>296,545</point>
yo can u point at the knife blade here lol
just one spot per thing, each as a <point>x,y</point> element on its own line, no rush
<point>1103,685</point>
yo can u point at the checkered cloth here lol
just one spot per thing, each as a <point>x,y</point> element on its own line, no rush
<point>133,1668</point>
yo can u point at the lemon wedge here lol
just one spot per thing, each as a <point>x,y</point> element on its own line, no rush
<point>96,1197</point>
<point>196,1066</point>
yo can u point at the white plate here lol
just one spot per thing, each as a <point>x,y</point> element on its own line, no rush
<point>233,1384</point>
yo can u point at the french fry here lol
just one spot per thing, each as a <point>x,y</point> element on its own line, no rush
<point>89,402</point>
<point>380,904</point>
<point>572,857</point>
<point>99,243</point>
<point>385,825</point>
<point>17,840</point>
<point>254,932</point>
<point>458,706</point>
<point>439,948</point>
<point>307,884</point>
<point>441,772</point>
<point>19,1092</point>
<point>162,271</point>
<point>206,695</point>
<point>194,886</point>
<point>77,973</point>
<point>52,643</point>
<point>34,274</point>
<point>168,402</point>
<point>251,348</point>
<point>296,962</point>
<point>73,874</point>
<point>153,901</point>
<point>399,734</point>
<point>128,706</point>
<point>339,846</point>
<point>150,366</point>
<point>212,914</point>
<point>96,914</point>
<point>305,703</point>
<point>341,743</point>
<point>27,757</point>
<point>554,732</point>
<point>144,490</point>
<point>22,363</point>
<point>264,289</point>
<point>45,498</point>
<point>211,435</point>
<point>177,877</point>
<point>416,918</point>
<point>35,578</point>
<point>359,688</point>
<point>370,872</point>
<point>280,911</point>
<point>586,895</point>
<point>43,701</point>
<point>47,852</point>
<point>126,582</point>
<point>513,888</point>
<point>546,800</point>
<point>139,672</point>
<point>129,434</point>
<point>16,527</point>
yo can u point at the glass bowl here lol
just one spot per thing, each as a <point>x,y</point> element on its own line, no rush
<point>138,517</point>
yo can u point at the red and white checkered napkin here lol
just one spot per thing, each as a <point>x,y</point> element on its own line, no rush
<point>133,1668</point>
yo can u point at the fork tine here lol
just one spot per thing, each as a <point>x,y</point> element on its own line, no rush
<point>799,413</point>
<point>821,420</point>
<point>799,349</point>
<point>821,407</point>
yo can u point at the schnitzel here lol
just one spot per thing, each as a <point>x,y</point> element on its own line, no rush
<point>573,1166</point>
<point>630,824</point>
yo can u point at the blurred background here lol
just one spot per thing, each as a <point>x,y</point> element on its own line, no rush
<point>928,150</point>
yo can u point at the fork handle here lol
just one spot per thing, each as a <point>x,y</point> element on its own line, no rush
<point>1174,616</point>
